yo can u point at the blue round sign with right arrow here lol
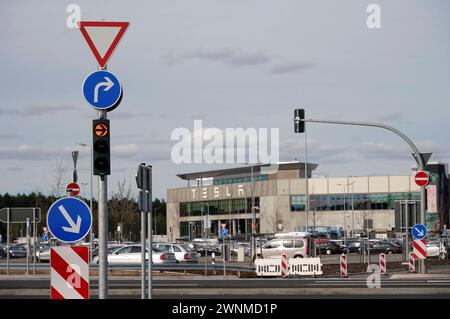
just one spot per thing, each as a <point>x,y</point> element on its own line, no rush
<point>102,90</point>
<point>69,219</point>
<point>419,231</point>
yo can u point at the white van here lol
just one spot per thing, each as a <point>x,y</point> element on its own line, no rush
<point>293,247</point>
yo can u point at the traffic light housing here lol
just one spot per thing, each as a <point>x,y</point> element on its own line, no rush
<point>299,120</point>
<point>101,147</point>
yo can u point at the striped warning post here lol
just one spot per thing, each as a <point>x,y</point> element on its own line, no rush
<point>412,262</point>
<point>343,263</point>
<point>284,265</point>
<point>69,272</point>
<point>420,248</point>
<point>382,260</point>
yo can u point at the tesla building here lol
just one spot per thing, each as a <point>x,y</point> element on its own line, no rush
<point>352,205</point>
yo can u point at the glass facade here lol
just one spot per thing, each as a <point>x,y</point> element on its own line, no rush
<point>218,207</point>
<point>339,202</point>
<point>244,179</point>
<point>194,229</point>
<point>298,203</point>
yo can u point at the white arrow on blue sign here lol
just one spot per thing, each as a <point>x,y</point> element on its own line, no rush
<point>102,90</point>
<point>69,219</point>
<point>419,231</point>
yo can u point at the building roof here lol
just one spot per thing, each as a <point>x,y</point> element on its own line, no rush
<point>246,170</point>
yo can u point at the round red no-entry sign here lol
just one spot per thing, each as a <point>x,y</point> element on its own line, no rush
<point>73,188</point>
<point>422,178</point>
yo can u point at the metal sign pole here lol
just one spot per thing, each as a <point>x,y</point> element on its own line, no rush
<point>34,241</point>
<point>150,242</point>
<point>90,204</point>
<point>143,292</point>
<point>224,257</point>
<point>28,245</point>
<point>7,241</point>
<point>148,176</point>
<point>306,184</point>
<point>102,231</point>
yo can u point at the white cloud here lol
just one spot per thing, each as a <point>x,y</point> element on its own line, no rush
<point>230,57</point>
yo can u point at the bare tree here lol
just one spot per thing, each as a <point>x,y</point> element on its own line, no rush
<point>56,186</point>
<point>123,210</point>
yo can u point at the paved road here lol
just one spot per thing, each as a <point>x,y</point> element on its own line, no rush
<point>394,286</point>
<point>130,283</point>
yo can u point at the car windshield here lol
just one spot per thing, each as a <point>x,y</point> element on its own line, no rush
<point>187,247</point>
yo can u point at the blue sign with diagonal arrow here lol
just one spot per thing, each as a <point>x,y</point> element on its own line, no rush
<point>419,231</point>
<point>102,90</point>
<point>69,219</point>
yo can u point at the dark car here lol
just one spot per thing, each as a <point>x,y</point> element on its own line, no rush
<point>353,247</point>
<point>384,247</point>
<point>329,248</point>
<point>2,250</point>
<point>18,250</point>
<point>208,249</point>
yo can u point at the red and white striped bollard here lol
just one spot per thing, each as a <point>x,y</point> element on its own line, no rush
<point>382,263</point>
<point>412,262</point>
<point>284,265</point>
<point>343,263</point>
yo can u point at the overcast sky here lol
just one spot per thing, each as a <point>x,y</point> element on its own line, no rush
<point>231,64</point>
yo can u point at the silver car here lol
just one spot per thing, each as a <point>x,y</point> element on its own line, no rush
<point>43,254</point>
<point>131,254</point>
<point>183,252</point>
<point>292,247</point>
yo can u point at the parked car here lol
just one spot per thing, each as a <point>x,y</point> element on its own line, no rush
<point>330,247</point>
<point>235,246</point>
<point>111,248</point>
<point>353,247</point>
<point>132,255</point>
<point>209,249</point>
<point>436,249</point>
<point>292,247</point>
<point>2,250</point>
<point>43,254</point>
<point>182,252</point>
<point>384,247</point>
<point>17,250</point>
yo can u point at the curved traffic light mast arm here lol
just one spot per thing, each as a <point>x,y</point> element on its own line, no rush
<point>387,127</point>
<point>410,143</point>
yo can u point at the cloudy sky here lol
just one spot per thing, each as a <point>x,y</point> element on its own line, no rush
<point>232,64</point>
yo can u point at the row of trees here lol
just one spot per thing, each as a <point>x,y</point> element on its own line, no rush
<point>122,211</point>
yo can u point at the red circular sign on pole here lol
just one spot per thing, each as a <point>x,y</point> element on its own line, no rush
<point>422,178</point>
<point>73,188</point>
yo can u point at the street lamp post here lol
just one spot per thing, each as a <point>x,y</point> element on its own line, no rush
<point>90,204</point>
<point>345,209</point>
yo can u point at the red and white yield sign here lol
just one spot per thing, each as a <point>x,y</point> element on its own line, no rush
<point>102,38</point>
<point>422,178</point>
<point>69,272</point>
<point>73,188</point>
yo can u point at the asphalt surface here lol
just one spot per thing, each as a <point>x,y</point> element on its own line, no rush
<point>258,283</point>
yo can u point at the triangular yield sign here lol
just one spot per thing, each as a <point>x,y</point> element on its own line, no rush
<point>102,37</point>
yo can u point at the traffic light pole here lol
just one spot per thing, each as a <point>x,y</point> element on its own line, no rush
<point>102,232</point>
<point>150,230</point>
<point>416,152</point>
<point>143,233</point>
